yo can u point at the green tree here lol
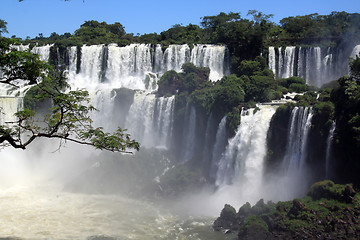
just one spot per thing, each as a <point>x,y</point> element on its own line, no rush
<point>68,119</point>
<point>3,28</point>
<point>94,32</point>
<point>179,34</point>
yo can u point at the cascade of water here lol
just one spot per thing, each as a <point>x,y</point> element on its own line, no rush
<point>175,56</point>
<point>316,64</point>
<point>219,146</point>
<point>204,55</point>
<point>279,73</point>
<point>316,67</point>
<point>150,120</point>
<point>138,66</point>
<point>289,61</point>
<point>8,107</point>
<point>90,67</point>
<point>189,135</point>
<point>272,59</point>
<point>21,47</point>
<point>164,121</point>
<point>158,58</point>
<point>329,142</point>
<point>292,180</point>
<point>43,52</point>
<point>295,154</point>
<point>139,121</point>
<point>72,61</point>
<point>208,144</point>
<point>242,162</point>
<point>128,65</point>
<point>355,52</point>
<point>301,62</point>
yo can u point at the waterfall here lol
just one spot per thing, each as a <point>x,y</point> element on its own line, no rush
<point>189,134</point>
<point>318,65</point>
<point>288,63</point>
<point>72,61</point>
<point>135,66</point>
<point>355,52</point>
<point>242,162</point>
<point>175,56</point>
<point>219,146</point>
<point>42,51</point>
<point>158,57</point>
<point>164,120</point>
<point>8,107</point>
<point>205,55</point>
<point>90,67</point>
<point>128,65</point>
<point>139,121</point>
<point>329,142</point>
<point>150,120</point>
<point>296,149</point>
<point>279,72</point>
<point>272,60</point>
<point>294,180</point>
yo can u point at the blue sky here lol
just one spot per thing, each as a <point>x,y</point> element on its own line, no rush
<point>31,17</point>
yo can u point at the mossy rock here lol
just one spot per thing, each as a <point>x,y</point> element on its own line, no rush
<point>254,228</point>
<point>329,190</point>
<point>245,210</point>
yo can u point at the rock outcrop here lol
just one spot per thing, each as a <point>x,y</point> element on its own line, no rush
<point>329,211</point>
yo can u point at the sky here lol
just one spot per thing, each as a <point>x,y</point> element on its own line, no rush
<point>31,17</point>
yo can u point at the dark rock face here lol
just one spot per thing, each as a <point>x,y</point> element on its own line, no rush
<point>227,222</point>
<point>329,211</point>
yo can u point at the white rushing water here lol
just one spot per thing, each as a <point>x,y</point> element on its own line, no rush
<point>241,165</point>
<point>318,65</point>
<point>297,141</point>
<point>329,142</point>
<point>189,134</point>
<point>150,120</point>
<point>8,107</point>
<point>293,179</point>
<point>220,141</point>
<point>139,66</point>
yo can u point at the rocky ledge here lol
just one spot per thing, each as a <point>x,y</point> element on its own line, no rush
<point>328,211</point>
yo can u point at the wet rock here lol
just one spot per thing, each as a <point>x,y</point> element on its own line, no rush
<point>227,221</point>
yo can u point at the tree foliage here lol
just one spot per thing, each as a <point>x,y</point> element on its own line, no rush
<point>3,28</point>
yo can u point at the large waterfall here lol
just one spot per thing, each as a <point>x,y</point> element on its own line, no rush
<point>121,83</point>
<point>241,165</point>
<point>318,65</point>
<point>293,174</point>
<point>138,66</point>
